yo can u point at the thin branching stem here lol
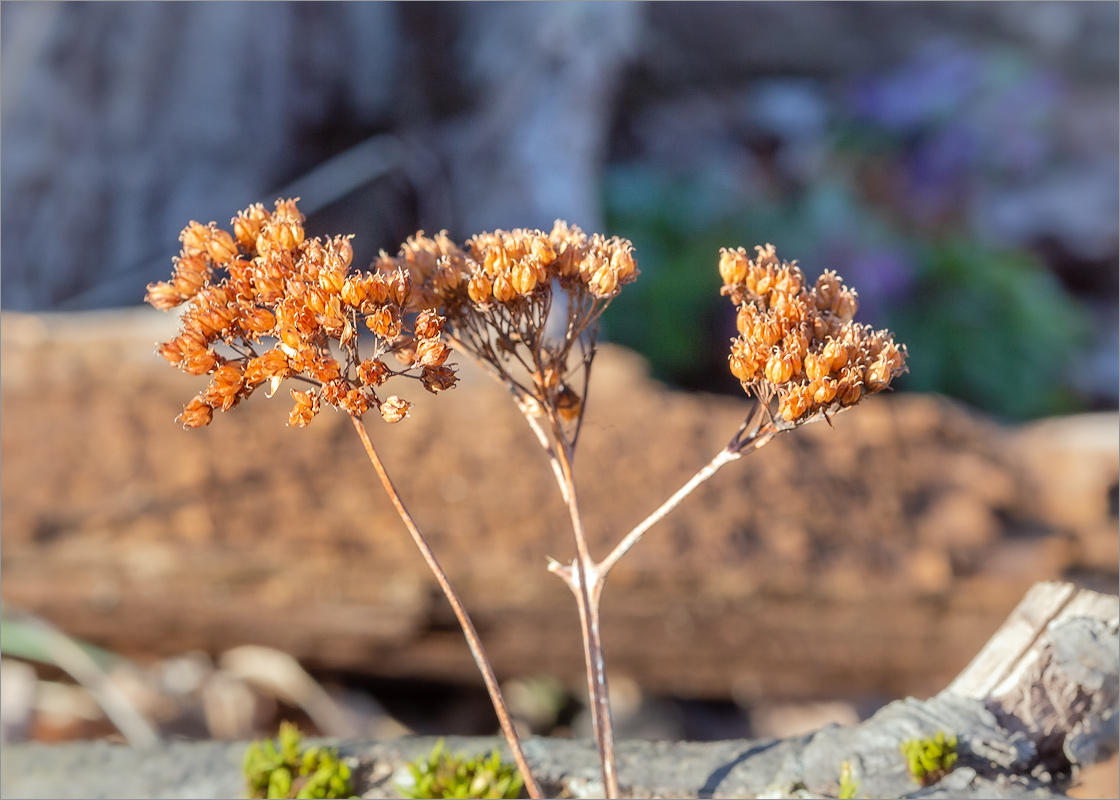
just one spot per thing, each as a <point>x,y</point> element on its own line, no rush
<point>465,623</point>
<point>586,584</point>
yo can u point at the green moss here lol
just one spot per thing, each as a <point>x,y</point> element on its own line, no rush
<point>441,775</point>
<point>930,759</point>
<point>848,787</point>
<point>283,770</point>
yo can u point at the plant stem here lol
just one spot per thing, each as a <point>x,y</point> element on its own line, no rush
<point>586,583</point>
<point>723,457</point>
<point>460,613</point>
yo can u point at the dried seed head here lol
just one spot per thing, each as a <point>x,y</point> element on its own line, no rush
<point>305,409</point>
<point>438,379</point>
<point>196,414</point>
<point>394,409</point>
<point>800,345</point>
<point>431,352</point>
<point>733,266</point>
<point>479,288</point>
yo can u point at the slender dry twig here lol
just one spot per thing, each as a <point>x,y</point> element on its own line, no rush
<point>460,614</point>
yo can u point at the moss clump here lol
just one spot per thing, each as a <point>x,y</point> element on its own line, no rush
<point>848,786</point>
<point>930,759</point>
<point>442,775</point>
<point>282,770</point>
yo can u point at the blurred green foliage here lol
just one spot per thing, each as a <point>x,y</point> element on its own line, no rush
<point>930,759</point>
<point>989,326</point>
<point>442,775</point>
<point>282,769</point>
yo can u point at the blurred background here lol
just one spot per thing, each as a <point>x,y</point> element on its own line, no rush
<point>957,163</point>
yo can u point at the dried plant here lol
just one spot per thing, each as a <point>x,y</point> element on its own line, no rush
<point>526,306</point>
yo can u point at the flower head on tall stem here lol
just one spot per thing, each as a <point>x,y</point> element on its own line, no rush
<point>266,304</point>
<point>497,293</point>
<point>798,347</point>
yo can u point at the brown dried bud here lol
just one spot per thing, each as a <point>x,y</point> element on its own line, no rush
<point>835,354</point>
<point>742,363</point>
<point>824,391</point>
<point>305,409</point>
<point>431,352</point>
<point>604,282</point>
<point>222,247</point>
<point>259,320</point>
<point>199,362</point>
<point>394,409</point>
<point>503,289</point>
<point>479,288</point>
<point>196,414</point>
<point>523,276</point>
<point>845,305</point>
<point>400,287</point>
<point>373,372</point>
<point>195,238</point>
<point>428,324</point>
<point>828,289</point>
<point>794,404</point>
<point>733,266</point>
<point>622,262</point>
<point>878,375</point>
<point>225,387</point>
<point>247,225</point>
<point>164,296</point>
<point>385,322</point>
<point>779,368</point>
<point>324,369</point>
<point>437,379</point>
<point>816,367</point>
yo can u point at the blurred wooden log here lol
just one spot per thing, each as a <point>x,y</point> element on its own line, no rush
<point>876,557</point>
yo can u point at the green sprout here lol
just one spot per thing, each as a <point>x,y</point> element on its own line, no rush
<point>441,775</point>
<point>930,759</point>
<point>848,786</point>
<point>282,770</point>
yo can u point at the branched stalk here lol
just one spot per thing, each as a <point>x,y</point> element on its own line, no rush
<point>586,583</point>
<point>460,613</point>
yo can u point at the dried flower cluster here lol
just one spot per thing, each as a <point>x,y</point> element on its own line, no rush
<point>267,282</point>
<point>800,344</point>
<point>496,295</point>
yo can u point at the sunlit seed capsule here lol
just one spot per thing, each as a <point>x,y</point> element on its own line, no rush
<point>733,266</point>
<point>768,332</point>
<point>745,319</point>
<point>431,352</point>
<point>622,261</point>
<point>849,392</point>
<point>394,409</point>
<point>824,391</point>
<point>437,379</point>
<point>503,289</point>
<point>793,405</point>
<point>604,282</point>
<point>845,305</point>
<point>196,414</point>
<point>778,368</point>
<point>816,367</point>
<point>400,287</point>
<point>523,277</point>
<point>479,288</point>
<point>835,354</point>
<point>428,324</point>
<point>222,247</point>
<point>195,238</point>
<point>827,289</point>
<point>743,366</point>
<point>878,375</point>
